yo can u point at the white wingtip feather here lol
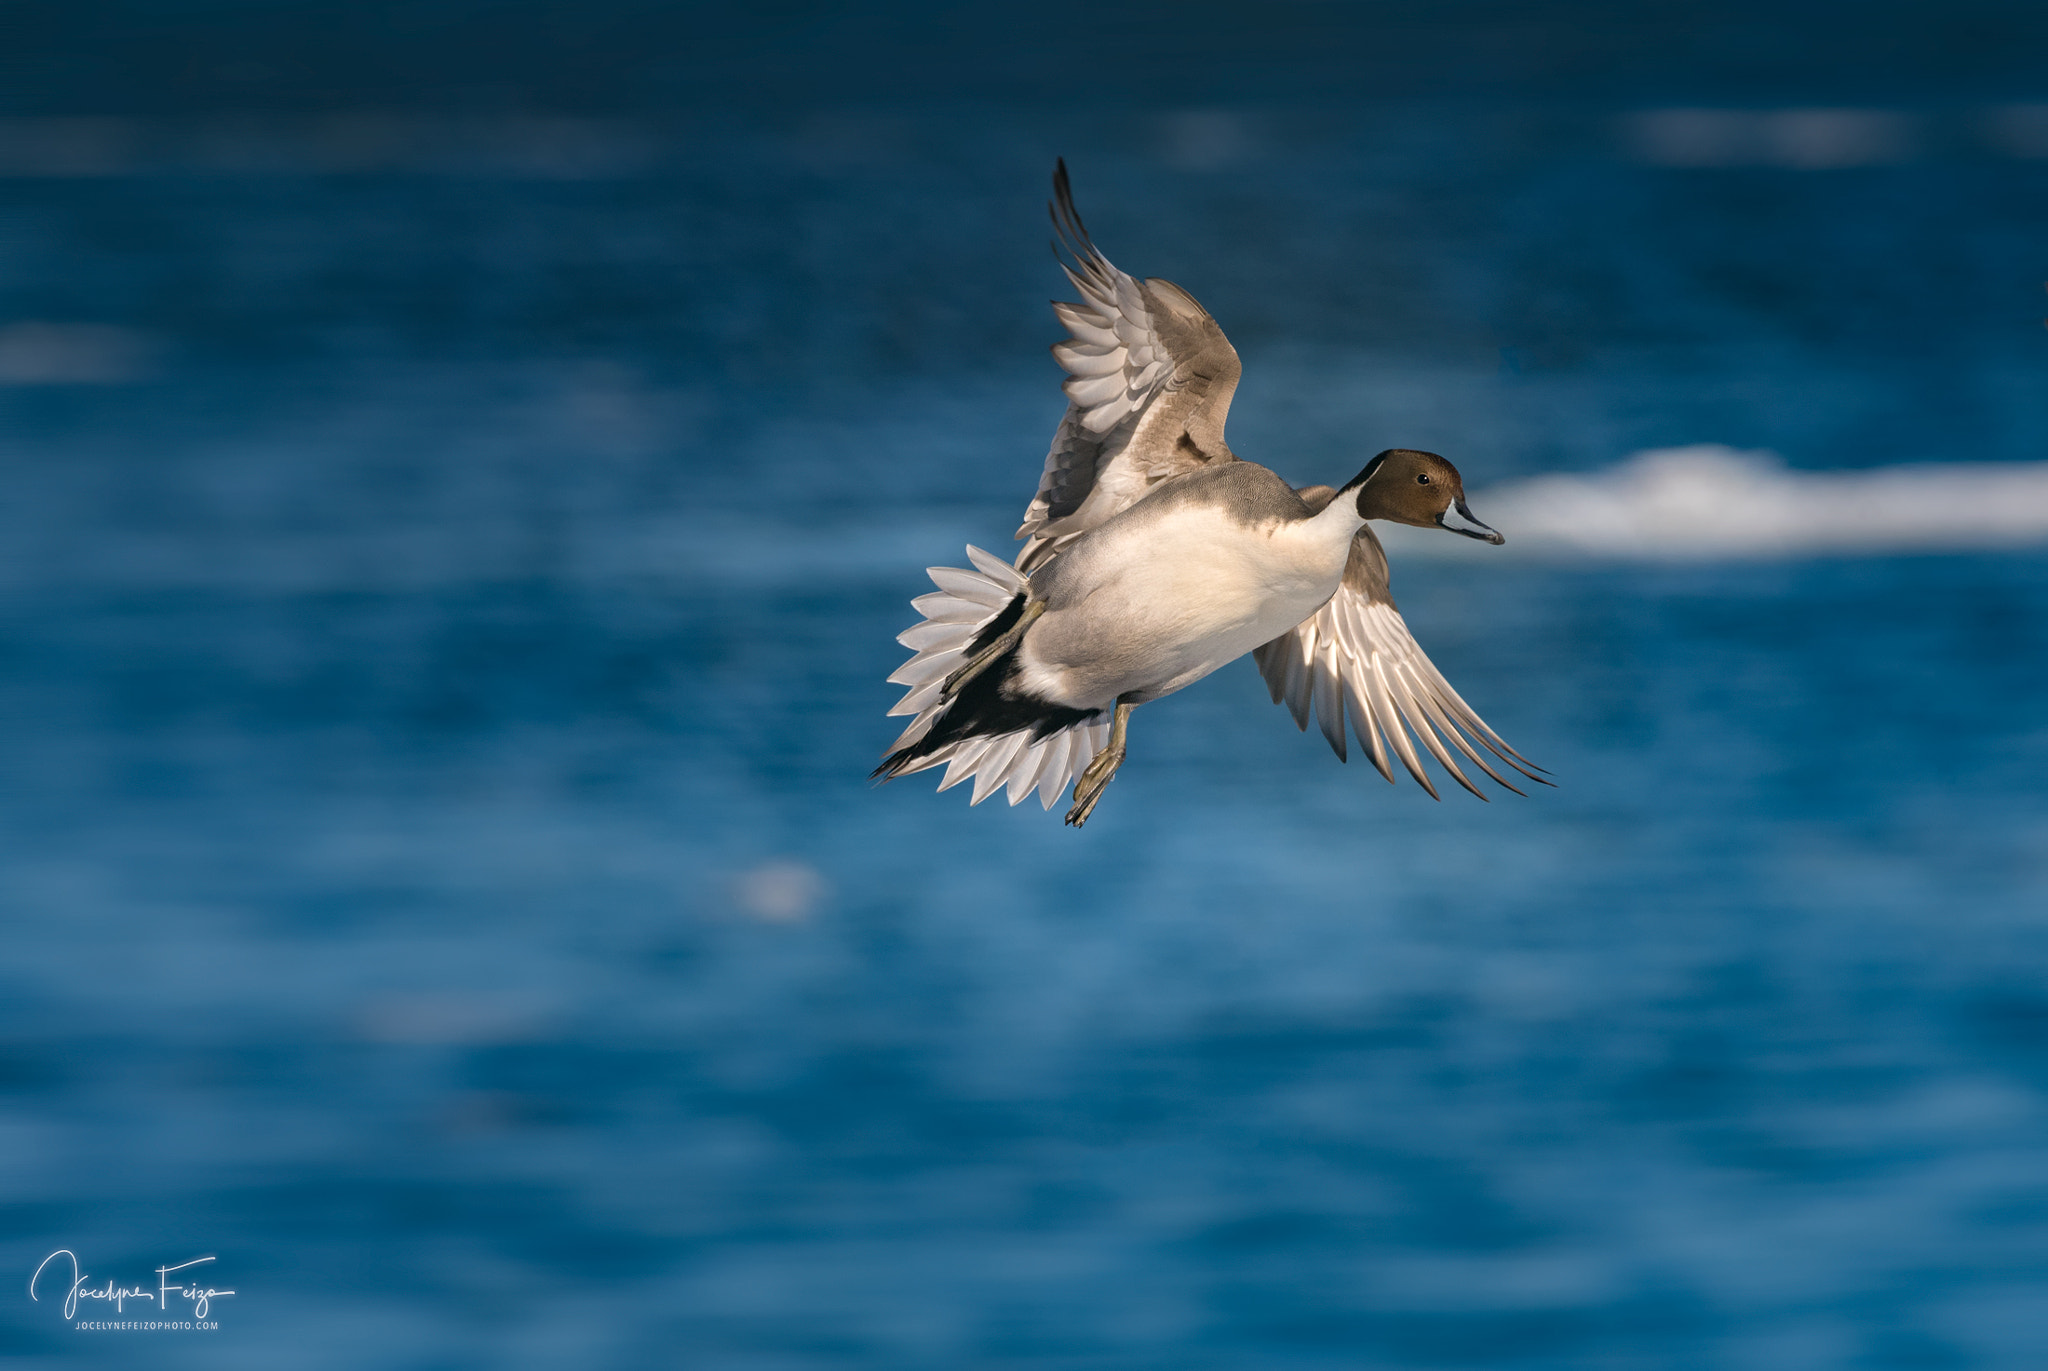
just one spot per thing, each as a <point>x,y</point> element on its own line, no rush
<point>994,769</point>
<point>998,570</point>
<point>953,615</point>
<point>1024,775</point>
<point>1053,783</point>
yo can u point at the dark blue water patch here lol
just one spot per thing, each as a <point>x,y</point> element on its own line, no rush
<point>782,63</point>
<point>1399,233</point>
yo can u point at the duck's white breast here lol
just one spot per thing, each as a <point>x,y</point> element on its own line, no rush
<point>1145,608</point>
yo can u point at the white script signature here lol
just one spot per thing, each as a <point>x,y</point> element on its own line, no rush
<point>200,1296</point>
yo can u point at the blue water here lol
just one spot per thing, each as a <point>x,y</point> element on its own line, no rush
<point>443,622</point>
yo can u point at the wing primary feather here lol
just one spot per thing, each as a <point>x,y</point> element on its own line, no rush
<point>935,635</point>
<point>1348,629</point>
<point>917,699</point>
<point>917,729</point>
<point>925,666</point>
<point>963,762</point>
<point>1480,730</point>
<point>1061,771</point>
<point>1295,666</point>
<point>1380,624</point>
<point>969,586</point>
<point>1025,774</point>
<point>1368,731</point>
<point>1073,233</point>
<point>995,765</point>
<point>947,608</point>
<point>996,569</point>
<point>1053,779</point>
<point>1418,718</point>
<point>1329,693</point>
<point>1456,737</point>
<point>1383,705</point>
<point>1271,659</point>
<point>1447,700</point>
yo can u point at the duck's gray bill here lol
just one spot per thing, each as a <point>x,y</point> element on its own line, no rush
<point>1458,519</point>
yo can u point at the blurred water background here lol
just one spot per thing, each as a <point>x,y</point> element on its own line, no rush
<point>465,466</point>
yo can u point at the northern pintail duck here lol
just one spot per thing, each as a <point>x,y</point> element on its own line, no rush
<point>1153,555</point>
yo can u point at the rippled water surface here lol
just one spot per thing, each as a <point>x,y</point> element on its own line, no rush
<point>445,598</point>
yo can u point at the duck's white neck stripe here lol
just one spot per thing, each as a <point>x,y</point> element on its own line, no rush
<point>1340,513</point>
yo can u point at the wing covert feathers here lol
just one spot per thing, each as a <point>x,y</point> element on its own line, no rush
<point>1149,382</point>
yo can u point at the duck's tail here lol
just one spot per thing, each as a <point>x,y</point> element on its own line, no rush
<point>985,731</point>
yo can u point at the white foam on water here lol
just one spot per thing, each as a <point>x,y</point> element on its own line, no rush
<point>780,892</point>
<point>1711,501</point>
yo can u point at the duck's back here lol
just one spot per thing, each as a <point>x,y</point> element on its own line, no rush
<point>1189,512</point>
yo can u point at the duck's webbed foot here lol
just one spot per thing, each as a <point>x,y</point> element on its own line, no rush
<point>1102,770</point>
<point>1093,782</point>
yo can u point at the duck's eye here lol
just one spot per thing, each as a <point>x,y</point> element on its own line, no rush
<point>1422,479</point>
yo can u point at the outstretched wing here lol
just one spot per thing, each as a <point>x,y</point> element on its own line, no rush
<point>1149,381</point>
<point>1356,656</point>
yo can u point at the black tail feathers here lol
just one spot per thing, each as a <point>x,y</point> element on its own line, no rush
<point>987,706</point>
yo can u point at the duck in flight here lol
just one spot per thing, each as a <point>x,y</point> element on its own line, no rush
<point>1153,555</point>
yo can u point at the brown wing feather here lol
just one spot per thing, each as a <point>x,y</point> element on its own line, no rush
<point>1149,381</point>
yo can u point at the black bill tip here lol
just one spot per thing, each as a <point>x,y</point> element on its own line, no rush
<point>1458,519</point>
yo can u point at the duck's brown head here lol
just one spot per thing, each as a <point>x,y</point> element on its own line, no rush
<point>1419,488</point>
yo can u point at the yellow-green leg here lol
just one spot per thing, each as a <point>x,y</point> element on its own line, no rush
<point>1096,778</point>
